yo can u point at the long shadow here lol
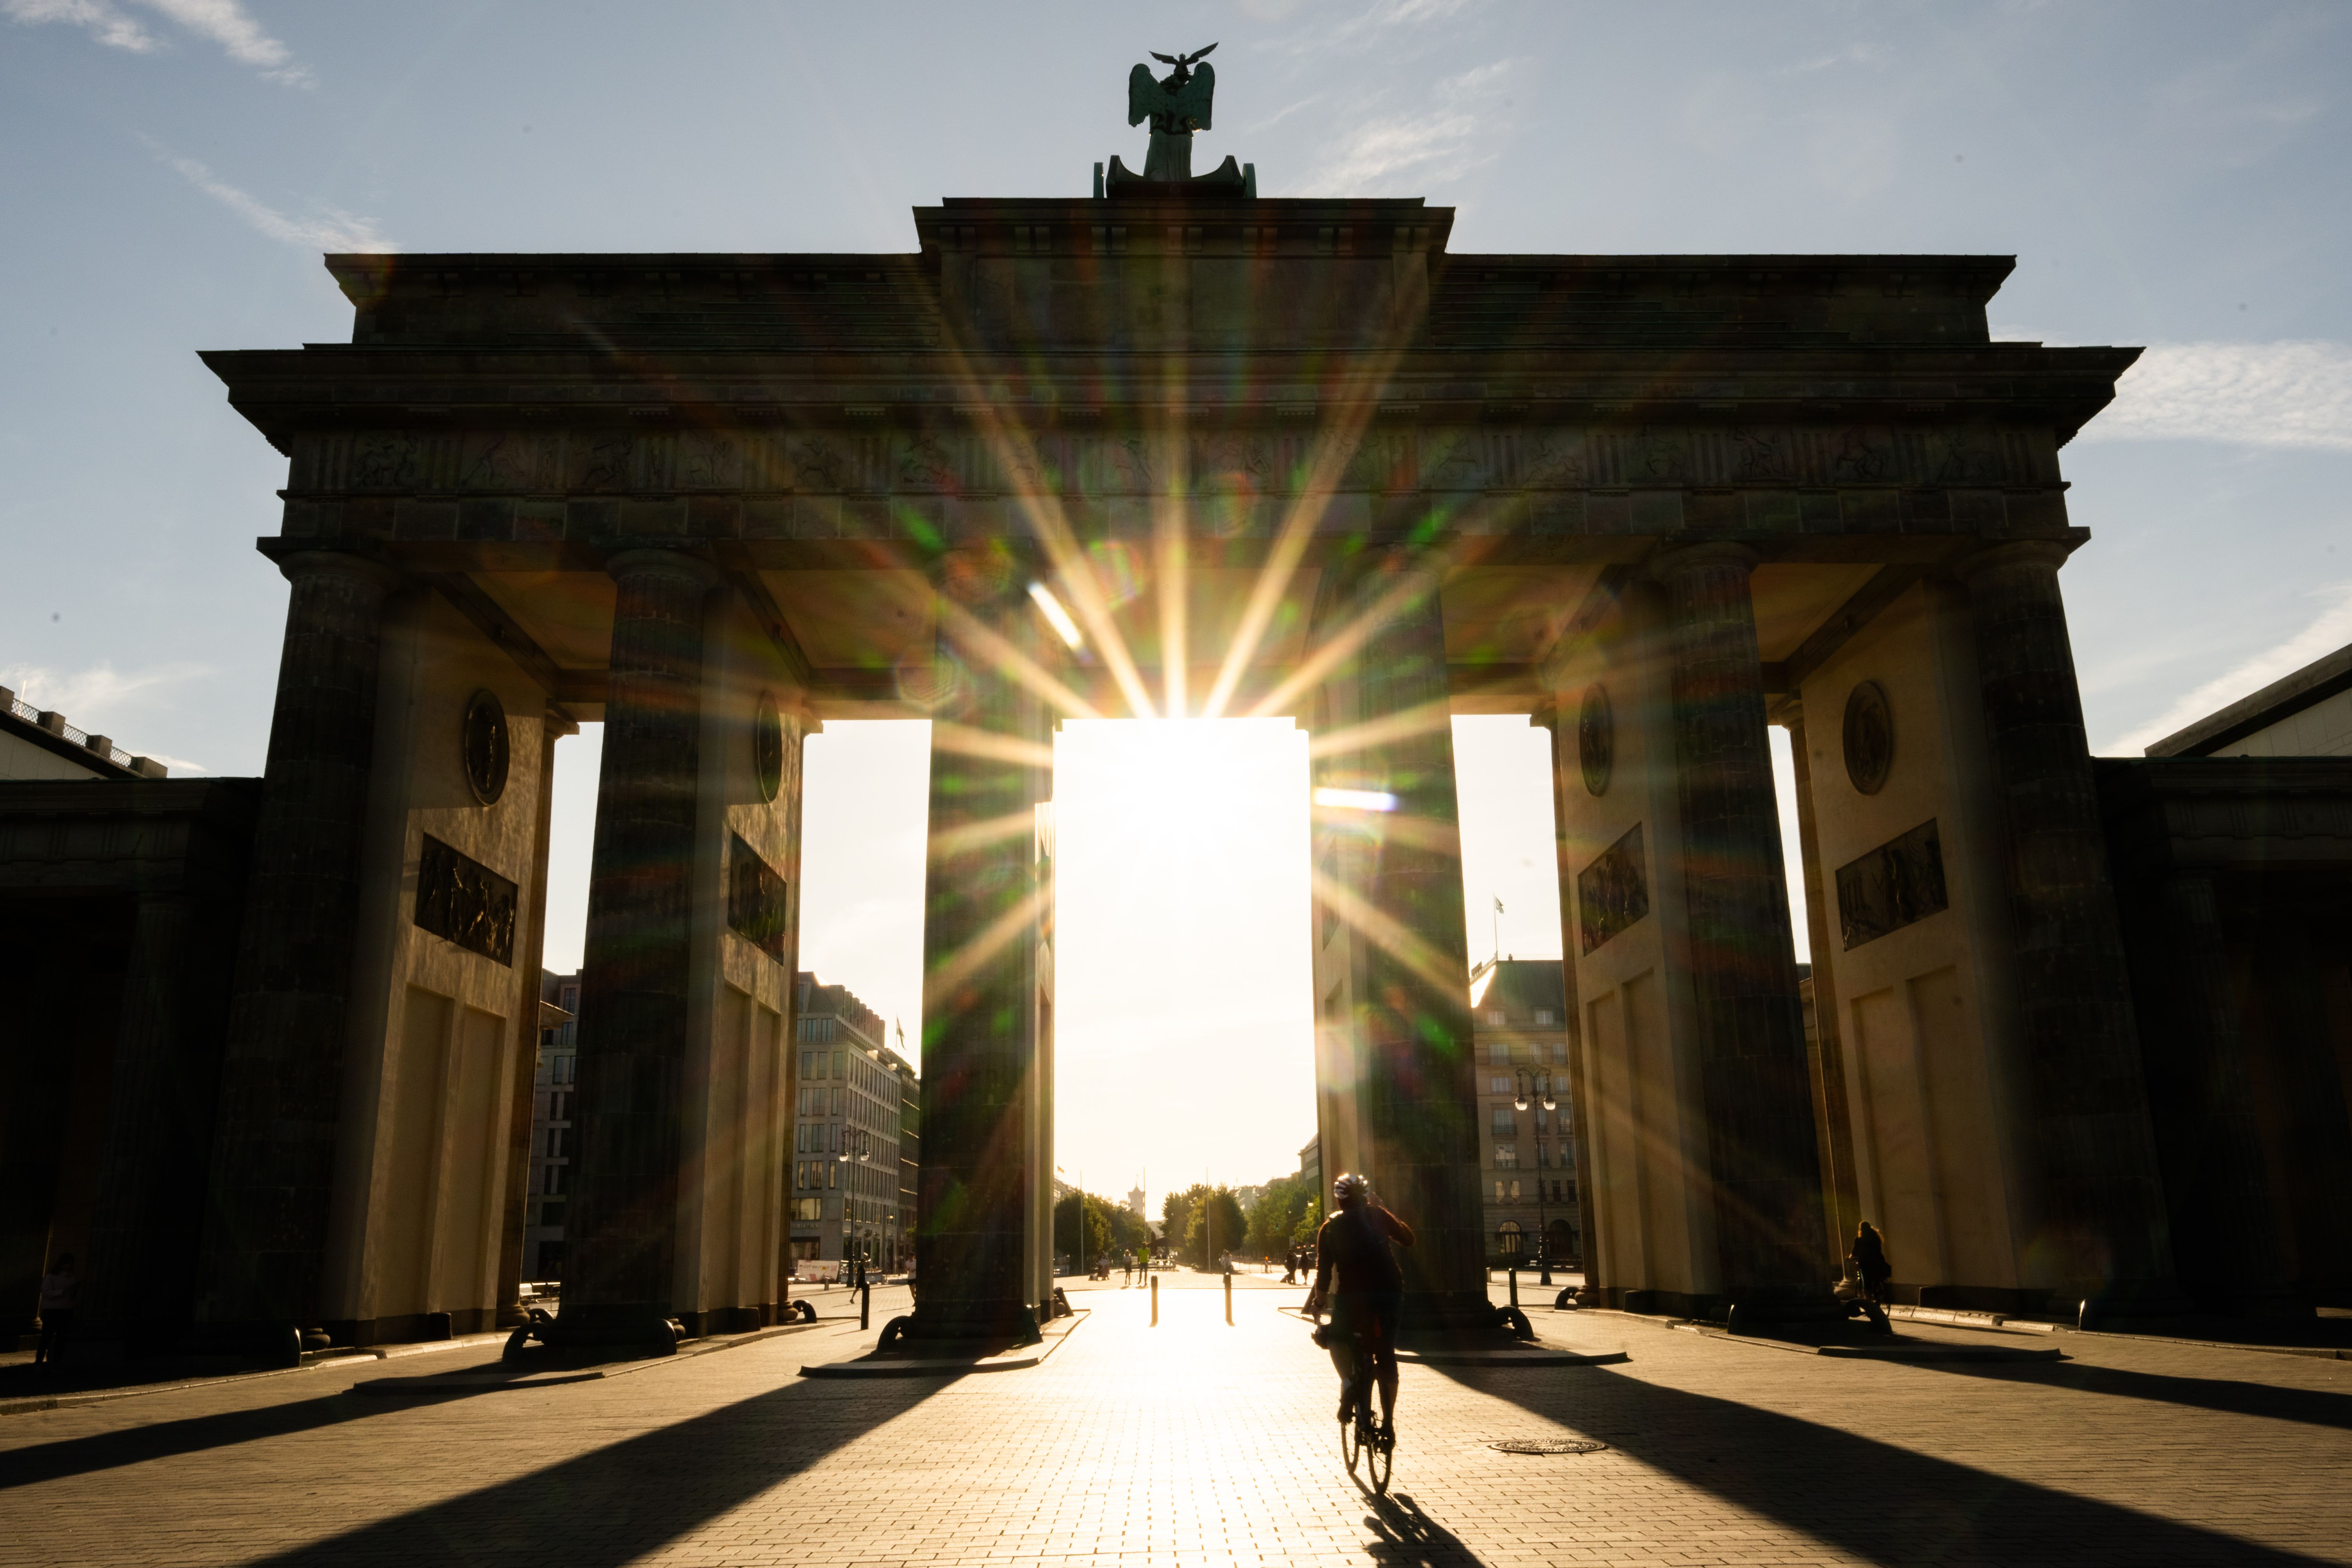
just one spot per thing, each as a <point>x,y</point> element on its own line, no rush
<point>1874,1500</point>
<point>615,1505</point>
<point>163,1439</point>
<point>2308,1406</point>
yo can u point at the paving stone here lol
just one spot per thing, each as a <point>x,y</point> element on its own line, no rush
<point>1195,1442</point>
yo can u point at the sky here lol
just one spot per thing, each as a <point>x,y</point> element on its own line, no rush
<point>2169,175</point>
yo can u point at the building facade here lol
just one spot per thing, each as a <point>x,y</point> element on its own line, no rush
<point>851,1175</point>
<point>1519,1019</point>
<point>554,1087</point>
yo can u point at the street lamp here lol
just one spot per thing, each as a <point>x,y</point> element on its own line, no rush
<point>856,1145</point>
<point>1539,1086</point>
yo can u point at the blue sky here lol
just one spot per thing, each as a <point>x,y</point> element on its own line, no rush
<point>2167,175</point>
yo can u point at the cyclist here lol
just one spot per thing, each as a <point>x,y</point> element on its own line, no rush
<point>1354,1245</point>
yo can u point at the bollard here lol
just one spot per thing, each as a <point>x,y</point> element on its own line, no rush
<point>1155,1300</point>
<point>1228,1301</point>
<point>1514,1286</point>
<point>865,1307</point>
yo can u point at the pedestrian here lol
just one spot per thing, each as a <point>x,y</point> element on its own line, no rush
<point>56,1308</point>
<point>1870,1262</point>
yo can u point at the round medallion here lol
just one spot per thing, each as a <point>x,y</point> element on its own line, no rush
<point>1869,737</point>
<point>482,747</point>
<point>768,747</point>
<point>1596,740</point>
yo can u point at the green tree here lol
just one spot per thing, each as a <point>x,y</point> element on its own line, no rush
<point>1066,1229</point>
<point>1213,1224</point>
<point>1274,1218</point>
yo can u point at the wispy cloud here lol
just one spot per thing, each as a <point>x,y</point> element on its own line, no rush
<point>1452,135</point>
<point>1376,23</point>
<point>2254,394</point>
<point>2330,631</point>
<point>330,229</point>
<point>100,699</point>
<point>223,22</point>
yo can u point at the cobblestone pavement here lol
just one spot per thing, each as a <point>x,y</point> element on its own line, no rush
<point>1198,1443</point>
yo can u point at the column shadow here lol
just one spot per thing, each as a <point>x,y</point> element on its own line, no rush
<point>615,1505</point>
<point>1872,1501</point>
<point>2229,1396</point>
<point>165,1439</point>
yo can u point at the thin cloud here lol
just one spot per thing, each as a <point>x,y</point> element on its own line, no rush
<point>223,22</point>
<point>103,699</point>
<point>332,229</point>
<point>1375,24</point>
<point>1438,144</point>
<point>2290,394</point>
<point>2330,631</point>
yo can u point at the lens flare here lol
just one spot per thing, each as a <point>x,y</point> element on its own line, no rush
<point>1056,616</point>
<point>1355,799</point>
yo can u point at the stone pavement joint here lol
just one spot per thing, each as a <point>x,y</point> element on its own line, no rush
<point>1194,1442</point>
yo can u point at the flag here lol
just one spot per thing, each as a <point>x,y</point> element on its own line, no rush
<point>1498,907</point>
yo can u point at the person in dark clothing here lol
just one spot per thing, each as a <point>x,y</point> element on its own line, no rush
<point>56,1308</point>
<point>1353,1245</point>
<point>1870,1263</point>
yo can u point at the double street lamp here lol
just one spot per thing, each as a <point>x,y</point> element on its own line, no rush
<point>856,1145</point>
<point>1538,1086</point>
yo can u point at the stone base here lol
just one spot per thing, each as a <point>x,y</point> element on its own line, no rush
<point>644,1325</point>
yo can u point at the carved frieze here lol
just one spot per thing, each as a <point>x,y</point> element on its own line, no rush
<point>462,900</point>
<point>757,907</point>
<point>1613,892</point>
<point>384,462</point>
<point>709,460</point>
<point>1899,882</point>
<point>923,462</point>
<point>1554,460</point>
<point>1459,459</point>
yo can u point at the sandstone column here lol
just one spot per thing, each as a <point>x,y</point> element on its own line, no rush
<point>1401,888</point>
<point>1748,1017</point>
<point>523,1078</point>
<point>620,1267</point>
<point>985,1143</point>
<point>2101,1220</point>
<point>1564,768</point>
<point>1841,1191</point>
<point>281,1082</point>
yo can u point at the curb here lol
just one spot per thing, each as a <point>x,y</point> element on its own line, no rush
<point>952,1366</point>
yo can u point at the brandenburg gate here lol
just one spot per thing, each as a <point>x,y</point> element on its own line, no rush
<point>1266,456</point>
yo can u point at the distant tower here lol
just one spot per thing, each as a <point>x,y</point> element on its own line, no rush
<point>1134,1202</point>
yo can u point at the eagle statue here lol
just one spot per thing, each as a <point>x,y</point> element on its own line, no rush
<point>1177,105</point>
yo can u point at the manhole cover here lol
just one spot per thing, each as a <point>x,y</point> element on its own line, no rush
<point>1548,1446</point>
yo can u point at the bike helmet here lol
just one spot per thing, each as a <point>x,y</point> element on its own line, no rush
<point>1350,1186</point>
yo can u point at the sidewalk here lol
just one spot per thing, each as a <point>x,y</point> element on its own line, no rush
<point>1198,1443</point>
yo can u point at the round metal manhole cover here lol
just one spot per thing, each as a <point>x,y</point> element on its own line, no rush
<point>1548,1446</point>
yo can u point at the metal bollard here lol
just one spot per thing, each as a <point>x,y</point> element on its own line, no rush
<point>1155,1300</point>
<point>866,1305</point>
<point>1228,1301</point>
<point>1514,1286</point>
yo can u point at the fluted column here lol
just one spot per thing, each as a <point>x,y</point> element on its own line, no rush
<point>524,1072</point>
<point>273,1163</point>
<point>1399,898</point>
<point>2103,1221</point>
<point>1748,1015</point>
<point>978,1203</point>
<point>1841,1190</point>
<point>621,1256</point>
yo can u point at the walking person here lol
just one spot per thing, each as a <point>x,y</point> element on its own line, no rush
<point>56,1308</point>
<point>1870,1263</point>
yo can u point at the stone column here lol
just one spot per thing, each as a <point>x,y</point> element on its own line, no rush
<point>524,1076</point>
<point>138,1256</point>
<point>1841,1190</point>
<point>621,1225</point>
<point>2310,1086</point>
<point>281,1081</point>
<point>1565,768</point>
<point>983,1132</point>
<point>2196,1060</point>
<point>1403,890</point>
<point>1748,1016</point>
<point>2102,1217</point>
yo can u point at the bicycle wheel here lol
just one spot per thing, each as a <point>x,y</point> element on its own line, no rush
<point>1382,1451</point>
<point>1351,1441</point>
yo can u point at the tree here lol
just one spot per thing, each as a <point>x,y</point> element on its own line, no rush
<point>1065,1229</point>
<point>1214,1224</point>
<point>1275,1216</point>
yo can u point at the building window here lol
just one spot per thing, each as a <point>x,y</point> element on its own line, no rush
<point>1508,1239</point>
<point>1505,1120</point>
<point>808,1208</point>
<point>1506,1158</point>
<point>1543,1154</point>
<point>1544,1020</point>
<point>1499,1084</point>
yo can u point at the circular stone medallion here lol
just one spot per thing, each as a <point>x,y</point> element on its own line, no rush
<point>482,747</point>
<point>1869,737</point>
<point>768,747</point>
<point>1596,740</point>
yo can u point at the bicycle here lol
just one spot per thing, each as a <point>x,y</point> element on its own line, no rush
<point>1360,1437</point>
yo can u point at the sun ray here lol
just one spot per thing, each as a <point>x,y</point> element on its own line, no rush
<point>1385,933</point>
<point>968,630</point>
<point>1421,580</point>
<point>967,960</point>
<point>970,836</point>
<point>965,741</point>
<point>1404,724</point>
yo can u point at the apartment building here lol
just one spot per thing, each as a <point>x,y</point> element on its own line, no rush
<point>549,1182</point>
<point>1518,1018</point>
<point>853,1133</point>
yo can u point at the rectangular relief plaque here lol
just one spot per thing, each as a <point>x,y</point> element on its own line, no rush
<point>1900,881</point>
<point>464,901</point>
<point>756,906</point>
<point>1614,891</point>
